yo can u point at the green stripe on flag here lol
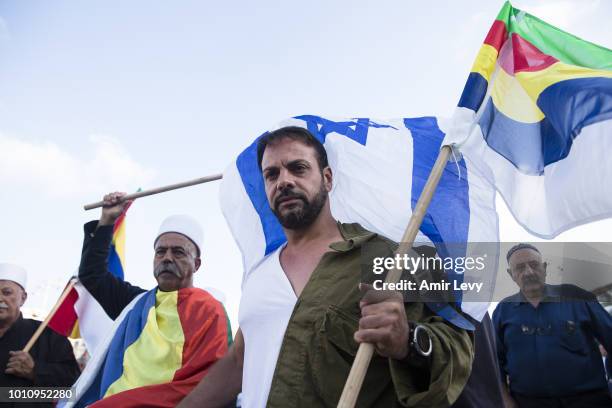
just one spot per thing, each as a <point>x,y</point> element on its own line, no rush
<point>555,42</point>
<point>504,13</point>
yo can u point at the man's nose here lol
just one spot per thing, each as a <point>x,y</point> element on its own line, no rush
<point>285,180</point>
<point>529,271</point>
<point>167,258</point>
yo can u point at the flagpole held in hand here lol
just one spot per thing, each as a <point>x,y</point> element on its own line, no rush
<point>44,324</point>
<point>158,190</point>
<point>366,350</point>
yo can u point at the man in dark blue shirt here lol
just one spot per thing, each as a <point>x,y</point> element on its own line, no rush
<point>547,334</point>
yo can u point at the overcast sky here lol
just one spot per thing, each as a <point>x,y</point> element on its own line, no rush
<point>100,96</point>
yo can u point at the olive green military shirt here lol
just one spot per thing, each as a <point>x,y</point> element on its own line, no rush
<point>318,347</point>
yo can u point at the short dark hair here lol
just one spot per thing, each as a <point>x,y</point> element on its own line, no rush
<point>293,133</point>
<point>517,247</point>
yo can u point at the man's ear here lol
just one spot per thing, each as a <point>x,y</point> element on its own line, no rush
<point>24,297</point>
<point>198,263</point>
<point>328,178</point>
<point>510,273</point>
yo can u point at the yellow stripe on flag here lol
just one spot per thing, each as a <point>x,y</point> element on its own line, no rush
<point>536,82</point>
<point>119,242</point>
<point>485,61</point>
<point>512,100</point>
<point>158,353</point>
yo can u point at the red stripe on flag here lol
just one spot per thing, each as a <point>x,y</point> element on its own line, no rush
<point>497,35</point>
<point>65,317</point>
<point>202,317</point>
<point>527,57</point>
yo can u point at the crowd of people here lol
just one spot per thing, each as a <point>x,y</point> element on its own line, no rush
<point>304,312</point>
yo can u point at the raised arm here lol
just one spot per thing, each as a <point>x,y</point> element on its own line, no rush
<point>112,293</point>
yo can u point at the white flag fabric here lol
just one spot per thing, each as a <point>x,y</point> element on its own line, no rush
<point>380,169</point>
<point>94,323</point>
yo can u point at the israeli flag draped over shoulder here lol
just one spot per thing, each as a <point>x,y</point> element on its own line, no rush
<point>379,170</point>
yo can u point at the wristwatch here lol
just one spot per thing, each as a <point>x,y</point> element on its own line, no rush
<point>419,339</point>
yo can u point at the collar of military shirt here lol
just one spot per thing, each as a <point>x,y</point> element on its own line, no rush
<point>354,237</point>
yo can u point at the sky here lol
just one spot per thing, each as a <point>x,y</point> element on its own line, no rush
<point>104,96</point>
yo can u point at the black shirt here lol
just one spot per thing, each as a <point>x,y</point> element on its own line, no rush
<point>112,293</point>
<point>54,362</point>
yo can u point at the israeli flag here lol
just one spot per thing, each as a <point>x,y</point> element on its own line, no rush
<point>379,171</point>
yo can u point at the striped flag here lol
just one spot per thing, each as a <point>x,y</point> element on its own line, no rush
<point>380,169</point>
<point>156,351</point>
<point>535,119</point>
<point>80,315</point>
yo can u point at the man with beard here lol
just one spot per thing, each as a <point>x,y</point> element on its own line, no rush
<point>546,335</point>
<point>184,331</point>
<point>50,362</point>
<point>303,310</point>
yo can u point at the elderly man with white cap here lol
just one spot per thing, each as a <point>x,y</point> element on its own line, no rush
<point>177,250</point>
<point>50,362</point>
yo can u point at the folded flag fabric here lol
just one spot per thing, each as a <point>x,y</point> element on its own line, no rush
<point>80,315</point>
<point>380,169</point>
<point>535,119</point>
<point>64,321</point>
<point>159,348</point>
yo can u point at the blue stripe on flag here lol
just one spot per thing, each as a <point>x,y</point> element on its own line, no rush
<point>571,105</point>
<point>519,142</point>
<point>114,263</point>
<point>448,216</point>
<point>255,189</point>
<point>90,396</point>
<point>474,92</point>
<point>127,333</point>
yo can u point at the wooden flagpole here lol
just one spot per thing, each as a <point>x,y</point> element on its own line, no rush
<point>158,190</point>
<point>366,350</point>
<point>44,324</point>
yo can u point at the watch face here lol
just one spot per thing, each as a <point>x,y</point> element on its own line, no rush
<point>422,340</point>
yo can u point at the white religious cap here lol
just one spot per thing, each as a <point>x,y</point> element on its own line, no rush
<point>184,225</point>
<point>14,273</point>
